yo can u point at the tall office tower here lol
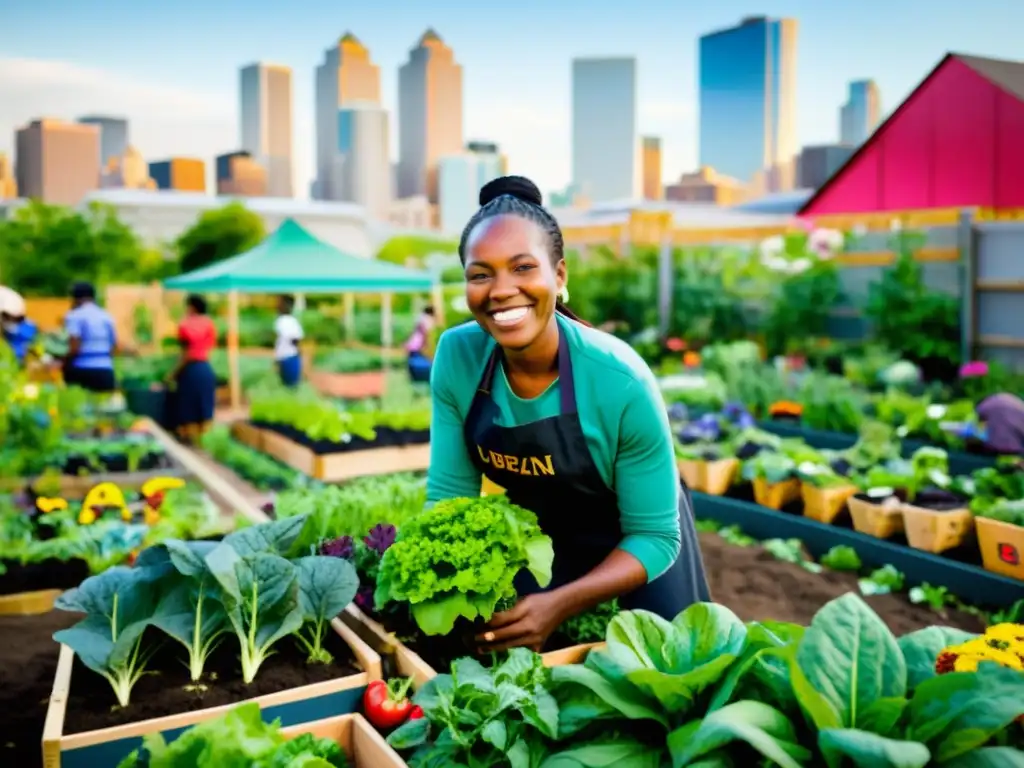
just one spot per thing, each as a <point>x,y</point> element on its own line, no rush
<point>113,136</point>
<point>748,99</point>
<point>57,162</point>
<point>861,113</point>
<point>604,133</point>
<point>181,174</point>
<point>347,74</point>
<point>651,162</point>
<point>365,157</point>
<point>429,115</point>
<point>265,92</point>
<point>460,178</point>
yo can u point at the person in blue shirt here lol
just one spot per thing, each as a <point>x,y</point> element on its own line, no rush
<point>91,342</point>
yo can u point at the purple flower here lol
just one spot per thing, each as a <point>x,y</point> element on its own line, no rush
<point>364,598</point>
<point>974,369</point>
<point>340,547</point>
<point>733,410</point>
<point>381,537</point>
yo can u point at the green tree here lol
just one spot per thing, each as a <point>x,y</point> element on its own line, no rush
<point>44,248</point>
<point>413,249</point>
<point>219,234</point>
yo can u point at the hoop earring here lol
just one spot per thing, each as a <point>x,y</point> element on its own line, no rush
<point>564,294</point>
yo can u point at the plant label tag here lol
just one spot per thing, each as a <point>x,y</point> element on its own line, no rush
<point>1009,554</point>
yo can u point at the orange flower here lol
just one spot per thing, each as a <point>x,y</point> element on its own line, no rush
<point>786,408</point>
<point>691,359</point>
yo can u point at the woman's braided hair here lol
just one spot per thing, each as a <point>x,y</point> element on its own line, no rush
<point>518,196</point>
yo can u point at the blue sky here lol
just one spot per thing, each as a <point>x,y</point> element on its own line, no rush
<point>173,67</point>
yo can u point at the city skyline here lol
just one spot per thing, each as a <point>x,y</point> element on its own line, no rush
<point>517,84</point>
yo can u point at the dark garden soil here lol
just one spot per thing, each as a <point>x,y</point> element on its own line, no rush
<point>49,574</point>
<point>758,587</point>
<point>28,661</point>
<point>386,438</point>
<point>91,703</point>
<point>116,463</point>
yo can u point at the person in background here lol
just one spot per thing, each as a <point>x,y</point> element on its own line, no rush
<point>286,347</point>
<point>18,331</point>
<point>193,375</point>
<point>92,341</point>
<point>562,416</point>
<point>1002,425</point>
<point>418,346</point>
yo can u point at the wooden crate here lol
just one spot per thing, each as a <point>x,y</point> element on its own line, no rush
<point>28,603</point>
<point>108,746</point>
<point>339,467</point>
<point>364,746</point>
<point>411,664</point>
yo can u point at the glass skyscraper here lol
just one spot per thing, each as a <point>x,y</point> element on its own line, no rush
<point>747,98</point>
<point>605,145</point>
<point>859,116</point>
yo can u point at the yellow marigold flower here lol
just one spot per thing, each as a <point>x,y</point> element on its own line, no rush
<point>150,516</point>
<point>87,516</point>
<point>1010,633</point>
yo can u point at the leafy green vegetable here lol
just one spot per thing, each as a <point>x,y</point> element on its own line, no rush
<point>118,607</point>
<point>326,586</point>
<point>238,738</point>
<point>842,558</point>
<point>459,559</point>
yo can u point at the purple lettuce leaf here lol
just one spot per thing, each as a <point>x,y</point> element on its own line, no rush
<point>381,537</point>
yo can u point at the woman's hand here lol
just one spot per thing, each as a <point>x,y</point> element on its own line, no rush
<point>527,625</point>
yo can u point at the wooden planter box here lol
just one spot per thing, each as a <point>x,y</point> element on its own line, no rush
<point>1002,547</point>
<point>876,519</point>
<point>247,434</point>
<point>108,746</point>
<point>29,603</point>
<point>410,664</point>
<point>713,477</point>
<point>338,467</point>
<point>349,386</point>
<point>776,495</point>
<point>936,531</point>
<point>363,745</point>
<point>825,504</point>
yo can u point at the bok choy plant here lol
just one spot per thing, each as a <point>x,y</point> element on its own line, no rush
<point>118,605</point>
<point>326,586</point>
<point>189,610</point>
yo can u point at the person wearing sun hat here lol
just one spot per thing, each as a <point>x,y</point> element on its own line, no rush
<point>18,331</point>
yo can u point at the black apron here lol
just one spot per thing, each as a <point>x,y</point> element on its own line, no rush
<point>547,468</point>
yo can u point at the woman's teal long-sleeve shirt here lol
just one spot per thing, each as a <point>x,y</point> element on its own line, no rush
<point>623,418</point>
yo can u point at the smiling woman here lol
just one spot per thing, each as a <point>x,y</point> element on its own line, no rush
<point>568,420</point>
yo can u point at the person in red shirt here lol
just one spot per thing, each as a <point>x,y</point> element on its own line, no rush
<point>193,377</point>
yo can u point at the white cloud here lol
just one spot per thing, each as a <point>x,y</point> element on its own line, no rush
<point>163,120</point>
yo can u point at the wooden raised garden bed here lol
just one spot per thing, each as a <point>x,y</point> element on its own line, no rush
<point>349,386</point>
<point>336,462</point>
<point>363,745</point>
<point>75,687</point>
<point>411,664</point>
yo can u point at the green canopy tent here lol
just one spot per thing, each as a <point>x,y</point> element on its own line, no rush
<point>292,260</point>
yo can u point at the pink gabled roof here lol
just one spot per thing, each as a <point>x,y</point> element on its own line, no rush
<point>1000,73</point>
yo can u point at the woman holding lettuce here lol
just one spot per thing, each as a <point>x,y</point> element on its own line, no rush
<point>568,420</point>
